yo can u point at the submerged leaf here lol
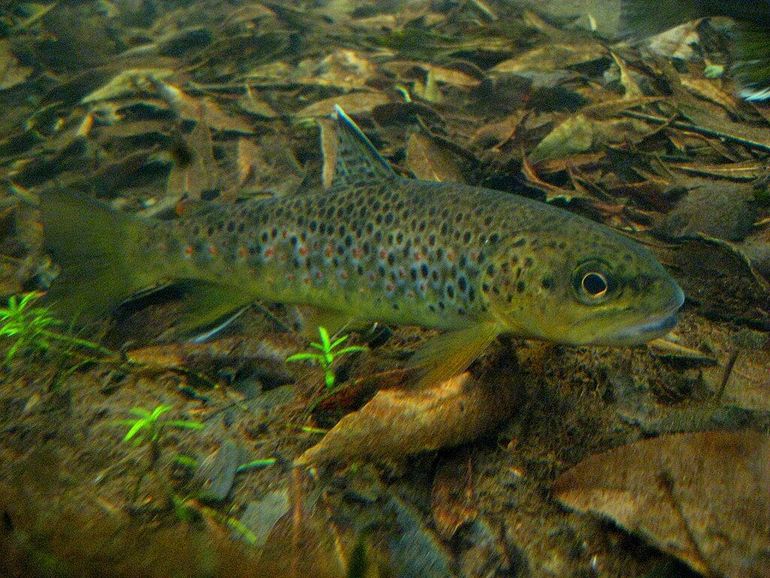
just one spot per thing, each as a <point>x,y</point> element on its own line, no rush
<point>703,497</point>
<point>400,422</point>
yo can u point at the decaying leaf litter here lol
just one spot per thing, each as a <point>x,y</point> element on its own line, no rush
<point>160,109</point>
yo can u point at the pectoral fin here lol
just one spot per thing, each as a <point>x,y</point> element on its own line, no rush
<point>448,354</point>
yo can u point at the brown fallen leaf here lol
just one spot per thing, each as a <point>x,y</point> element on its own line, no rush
<point>397,422</point>
<point>430,161</point>
<point>702,497</point>
<point>353,103</point>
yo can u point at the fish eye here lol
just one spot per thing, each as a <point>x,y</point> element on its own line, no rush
<point>593,283</point>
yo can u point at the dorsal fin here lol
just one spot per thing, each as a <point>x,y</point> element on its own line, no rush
<point>358,162</point>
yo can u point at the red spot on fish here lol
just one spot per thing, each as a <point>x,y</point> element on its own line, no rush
<point>284,234</point>
<point>383,254</point>
<point>243,251</point>
<point>269,252</point>
<point>329,251</point>
<point>213,249</point>
<point>344,274</point>
<point>401,273</point>
<point>390,287</point>
<point>319,275</point>
<point>417,256</point>
<point>450,256</point>
<point>303,251</point>
<point>189,250</point>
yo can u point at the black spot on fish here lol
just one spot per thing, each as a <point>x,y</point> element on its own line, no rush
<point>340,250</point>
<point>341,230</point>
<point>471,294</point>
<point>520,286</point>
<point>210,231</point>
<point>241,227</point>
<point>274,233</point>
<point>528,262</point>
<point>450,291</point>
<point>460,311</point>
<point>432,240</point>
<point>490,269</point>
<point>485,287</point>
<point>313,226</point>
<point>231,226</point>
<point>467,237</point>
<point>462,284</point>
<point>487,221</point>
<point>293,240</point>
<point>519,243</point>
<point>399,238</point>
<point>424,270</point>
<point>547,283</point>
<point>459,217</point>
<point>265,237</point>
<point>494,238</point>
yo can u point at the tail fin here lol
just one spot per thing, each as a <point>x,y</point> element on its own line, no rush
<point>642,18</point>
<point>752,60</point>
<point>98,250</point>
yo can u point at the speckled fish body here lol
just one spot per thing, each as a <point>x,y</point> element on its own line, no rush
<point>380,247</point>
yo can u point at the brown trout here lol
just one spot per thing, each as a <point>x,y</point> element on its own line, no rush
<point>376,246</point>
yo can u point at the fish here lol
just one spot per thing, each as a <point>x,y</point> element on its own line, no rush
<point>751,42</point>
<point>375,246</point>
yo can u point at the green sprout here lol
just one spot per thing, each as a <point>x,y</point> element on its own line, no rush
<point>32,328</point>
<point>327,352</point>
<point>147,426</point>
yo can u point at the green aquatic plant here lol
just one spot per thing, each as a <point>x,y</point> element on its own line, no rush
<point>327,352</point>
<point>32,329</point>
<point>148,426</point>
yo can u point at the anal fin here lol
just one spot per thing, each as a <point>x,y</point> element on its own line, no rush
<point>333,321</point>
<point>204,303</point>
<point>449,354</point>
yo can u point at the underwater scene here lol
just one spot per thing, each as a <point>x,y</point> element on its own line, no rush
<point>410,288</point>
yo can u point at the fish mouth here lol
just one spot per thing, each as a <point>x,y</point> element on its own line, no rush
<point>651,327</point>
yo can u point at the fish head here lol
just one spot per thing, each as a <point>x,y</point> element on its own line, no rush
<point>588,285</point>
